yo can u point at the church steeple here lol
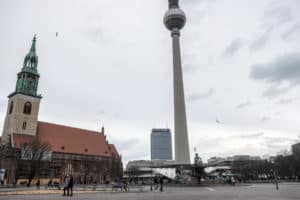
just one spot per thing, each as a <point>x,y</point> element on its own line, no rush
<point>32,49</point>
<point>31,59</point>
<point>24,102</point>
<point>28,78</point>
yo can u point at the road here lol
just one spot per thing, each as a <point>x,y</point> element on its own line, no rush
<point>251,192</point>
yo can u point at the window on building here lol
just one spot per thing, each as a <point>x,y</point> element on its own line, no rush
<point>24,125</point>
<point>27,108</point>
<point>11,107</point>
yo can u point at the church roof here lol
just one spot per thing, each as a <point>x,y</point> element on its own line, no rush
<point>64,139</point>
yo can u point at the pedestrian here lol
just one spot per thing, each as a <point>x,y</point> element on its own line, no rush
<point>161,183</point>
<point>155,181</point>
<point>38,184</point>
<point>71,184</point>
<point>50,183</point>
<point>232,181</point>
<point>125,186</point>
<point>66,185</point>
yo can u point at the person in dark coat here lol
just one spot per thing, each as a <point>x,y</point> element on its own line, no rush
<point>155,181</point>
<point>161,183</point>
<point>38,184</point>
<point>66,185</point>
<point>71,184</point>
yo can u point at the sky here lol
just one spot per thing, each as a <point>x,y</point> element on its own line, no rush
<point>111,65</point>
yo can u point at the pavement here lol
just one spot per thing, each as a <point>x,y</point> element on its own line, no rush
<point>288,191</point>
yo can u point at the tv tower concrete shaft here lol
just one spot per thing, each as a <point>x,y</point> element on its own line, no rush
<point>175,20</point>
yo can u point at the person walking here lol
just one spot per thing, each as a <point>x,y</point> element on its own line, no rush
<point>71,184</point>
<point>125,186</point>
<point>155,181</point>
<point>161,183</point>
<point>66,185</point>
<point>233,181</point>
<point>38,184</point>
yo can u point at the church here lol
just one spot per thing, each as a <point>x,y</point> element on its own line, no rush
<point>84,154</point>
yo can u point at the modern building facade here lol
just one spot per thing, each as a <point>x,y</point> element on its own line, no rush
<point>228,161</point>
<point>85,154</point>
<point>149,164</point>
<point>174,20</point>
<point>161,144</point>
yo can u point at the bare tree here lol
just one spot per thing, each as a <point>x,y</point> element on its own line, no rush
<point>11,157</point>
<point>35,153</point>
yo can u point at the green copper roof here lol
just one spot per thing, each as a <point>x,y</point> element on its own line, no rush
<point>31,59</point>
<point>28,78</point>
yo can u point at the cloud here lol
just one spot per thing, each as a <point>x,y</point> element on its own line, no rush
<point>244,105</point>
<point>278,141</point>
<point>199,1</point>
<point>126,144</point>
<point>291,32</point>
<point>204,95</point>
<point>112,115</point>
<point>258,143</point>
<point>283,68</point>
<point>189,68</point>
<point>131,148</point>
<point>276,113</point>
<point>285,101</point>
<point>3,103</point>
<point>274,91</point>
<point>96,34</point>
<point>233,47</point>
<point>100,113</point>
<point>251,135</point>
<point>276,16</point>
<point>281,74</point>
<point>265,118</point>
<point>259,43</point>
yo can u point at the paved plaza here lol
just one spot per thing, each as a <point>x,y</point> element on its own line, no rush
<point>286,191</point>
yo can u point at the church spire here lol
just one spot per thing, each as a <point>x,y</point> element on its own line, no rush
<point>28,78</point>
<point>31,59</point>
<point>32,49</point>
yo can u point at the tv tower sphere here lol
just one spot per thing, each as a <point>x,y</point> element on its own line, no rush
<point>174,18</point>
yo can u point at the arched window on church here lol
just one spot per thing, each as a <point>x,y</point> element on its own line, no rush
<point>11,107</point>
<point>27,108</point>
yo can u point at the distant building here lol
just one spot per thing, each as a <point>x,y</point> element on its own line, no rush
<point>219,161</point>
<point>143,171</point>
<point>161,144</point>
<point>255,158</point>
<point>137,164</point>
<point>215,160</point>
<point>241,157</point>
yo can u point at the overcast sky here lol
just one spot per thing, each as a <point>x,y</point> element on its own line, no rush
<point>111,65</point>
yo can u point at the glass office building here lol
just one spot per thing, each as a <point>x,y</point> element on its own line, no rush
<point>161,144</point>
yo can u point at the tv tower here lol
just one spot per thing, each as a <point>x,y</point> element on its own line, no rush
<point>174,20</point>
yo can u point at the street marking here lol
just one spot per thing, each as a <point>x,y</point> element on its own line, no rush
<point>210,189</point>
